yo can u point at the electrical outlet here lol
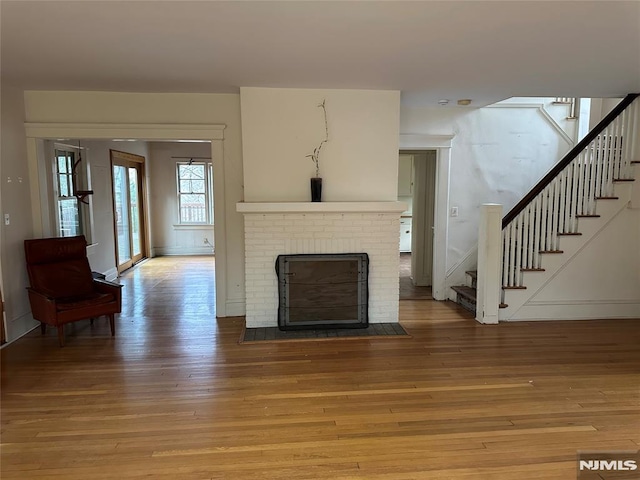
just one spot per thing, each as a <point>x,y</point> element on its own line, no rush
<point>454,211</point>
<point>7,219</point>
<point>205,241</point>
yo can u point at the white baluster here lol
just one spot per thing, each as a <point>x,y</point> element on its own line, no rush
<point>634,130</point>
<point>617,171</point>
<point>611,157</point>
<point>594,192</point>
<point>525,237</point>
<point>544,218</point>
<point>604,176</point>
<point>562,194</point>
<point>512,254</point>
<point>582,172</point>
<point>627,134</point>
<point>575,185</point>
<point>505,256</point>
<point>538,233</point>
<point>598,163</point>
<point>553,230</point>
<point>531,213</point>
<point>519,248</point>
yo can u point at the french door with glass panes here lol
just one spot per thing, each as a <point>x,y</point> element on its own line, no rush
<point>129,222</point>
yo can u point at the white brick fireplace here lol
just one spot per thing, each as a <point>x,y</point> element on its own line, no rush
<point>272,229</point>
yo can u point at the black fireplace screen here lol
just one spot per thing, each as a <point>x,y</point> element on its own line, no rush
<point>323,291</point>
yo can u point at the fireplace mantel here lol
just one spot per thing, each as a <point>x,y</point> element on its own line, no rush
<point>321,207</point>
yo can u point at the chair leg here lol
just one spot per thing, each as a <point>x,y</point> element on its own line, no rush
<point>43,327</point>
<point>112,324</point>
<point>61,335</point>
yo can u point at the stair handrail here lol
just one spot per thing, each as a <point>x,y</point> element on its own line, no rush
<point>568,158</point>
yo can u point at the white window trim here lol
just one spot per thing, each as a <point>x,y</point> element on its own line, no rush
<point>208,193</point>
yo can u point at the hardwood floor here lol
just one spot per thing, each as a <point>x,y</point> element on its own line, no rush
<point>408,291</point>
<point>173,396</point>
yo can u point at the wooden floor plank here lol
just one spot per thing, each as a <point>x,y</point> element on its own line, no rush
<point>173,395</point>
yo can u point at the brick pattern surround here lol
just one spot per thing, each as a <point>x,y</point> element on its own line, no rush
<point>268,235</point>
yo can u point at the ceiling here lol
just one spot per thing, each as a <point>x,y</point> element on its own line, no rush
<point>430,50</point>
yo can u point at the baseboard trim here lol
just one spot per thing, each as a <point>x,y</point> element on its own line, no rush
<point>578,310</point>
<point>111,274</point>
<point>24,319</point>
<point>235,308</point>
<point>167,251</point>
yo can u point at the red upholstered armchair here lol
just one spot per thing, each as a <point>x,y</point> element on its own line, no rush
<point>63,289</point>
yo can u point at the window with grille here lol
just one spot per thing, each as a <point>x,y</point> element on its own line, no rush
<point>69,217</point>
<point>73,215</point>
<point>195,193</point>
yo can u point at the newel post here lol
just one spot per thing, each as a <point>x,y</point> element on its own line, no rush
<point>489,263</point>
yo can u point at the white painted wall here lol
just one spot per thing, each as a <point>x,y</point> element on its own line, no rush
<point>557,112</point>
<point>600,107</point>
<point>189,110</point>
<point>281,126</point>
<point>16,201</point>
<point>169,238</point>
<point>498,153</point>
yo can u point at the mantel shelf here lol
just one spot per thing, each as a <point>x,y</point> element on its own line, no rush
<point>321,207</point>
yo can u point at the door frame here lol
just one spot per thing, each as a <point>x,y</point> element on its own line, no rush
<point>442,145</point>
<point>126,160</point>
<point>424,196</point>
<point>213,133</point>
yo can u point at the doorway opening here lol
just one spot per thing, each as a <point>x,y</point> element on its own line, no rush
<point>416,187</point>
<point>211,135</point>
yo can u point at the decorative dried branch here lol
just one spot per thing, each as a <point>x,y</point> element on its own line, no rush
<point>315,156</point>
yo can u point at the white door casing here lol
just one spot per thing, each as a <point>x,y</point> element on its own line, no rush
<point>36,132</point>
<point>442,145</point>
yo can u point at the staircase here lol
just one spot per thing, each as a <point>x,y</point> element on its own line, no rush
<point>466,294</point>
<point>566,210</point>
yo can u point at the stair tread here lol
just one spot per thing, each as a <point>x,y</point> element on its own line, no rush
<point>588,216</point>
<point>503,305</point>
<point>472,273</point>
<point>607,198</point>
<point>508,287</point>
<point>624,179</point>
<point>532,270</point>
<point>551,251</point>
<point>467,292</point>
<point>568,233</point>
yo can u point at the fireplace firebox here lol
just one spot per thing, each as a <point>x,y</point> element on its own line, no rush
<point>323,291</point>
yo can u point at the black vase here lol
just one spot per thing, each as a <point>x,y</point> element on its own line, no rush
<point>316,189</point>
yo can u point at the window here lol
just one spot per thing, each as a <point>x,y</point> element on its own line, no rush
<point>72,214</point>
<point>195,193</point>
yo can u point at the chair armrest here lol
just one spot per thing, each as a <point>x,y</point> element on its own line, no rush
<point>43,308</point>
<point>105,286</point>
<point>100,283</point>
